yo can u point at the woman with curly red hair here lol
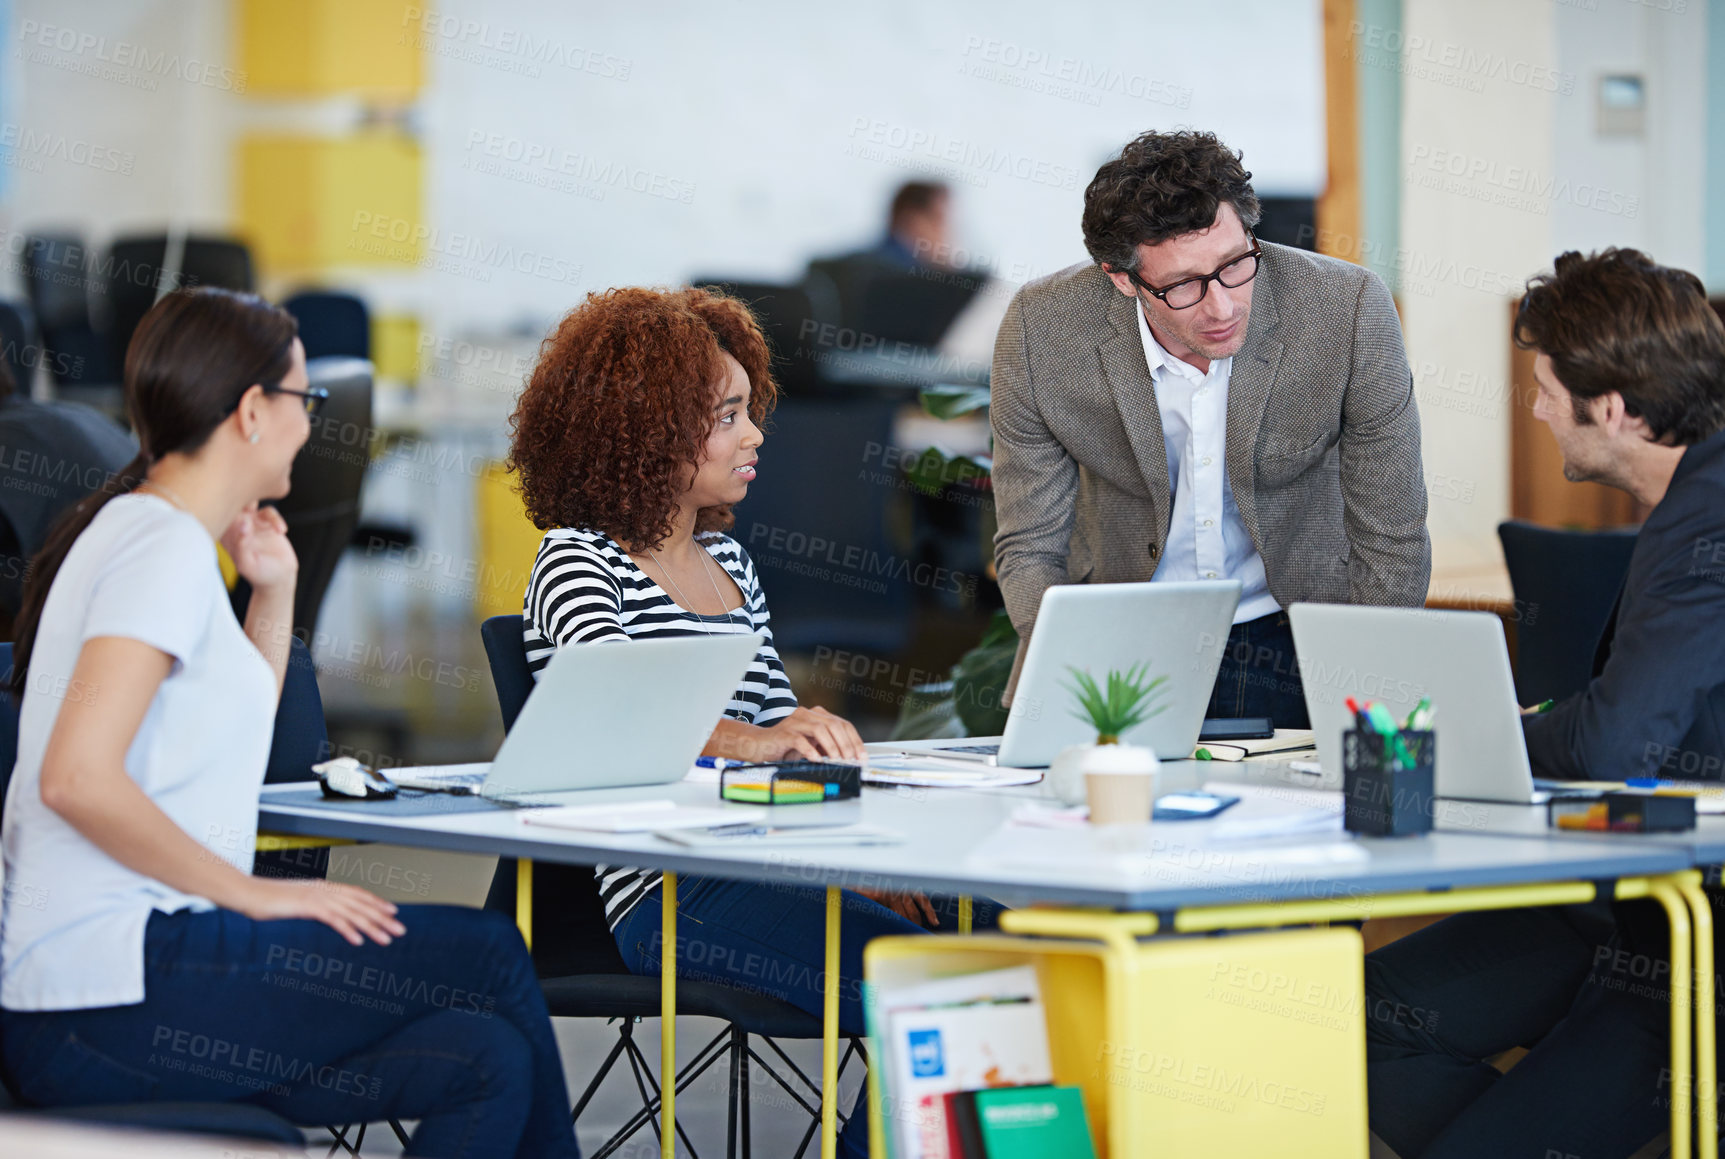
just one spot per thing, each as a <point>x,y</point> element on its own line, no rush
<point>637,432</point>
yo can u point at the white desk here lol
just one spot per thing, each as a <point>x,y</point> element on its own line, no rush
<point>952,846</point>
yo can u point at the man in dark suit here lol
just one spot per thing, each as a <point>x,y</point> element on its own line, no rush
<point>1631,372</point>
<point>1195,404</point>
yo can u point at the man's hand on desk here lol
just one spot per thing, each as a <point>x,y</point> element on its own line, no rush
<point>912,907</point>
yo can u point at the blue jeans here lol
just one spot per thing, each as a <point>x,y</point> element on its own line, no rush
<point>770,940</point>
<point>446,1025</point>
<point>1260,675</point>
<point>1444,1000</point>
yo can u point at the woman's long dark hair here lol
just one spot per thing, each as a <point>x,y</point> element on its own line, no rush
<point>190,359</point>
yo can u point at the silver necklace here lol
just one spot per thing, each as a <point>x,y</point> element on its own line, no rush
<point>687,602</point>
<point>168,494</point>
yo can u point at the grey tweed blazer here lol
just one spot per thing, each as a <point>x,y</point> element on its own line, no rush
<point>1323,440</point>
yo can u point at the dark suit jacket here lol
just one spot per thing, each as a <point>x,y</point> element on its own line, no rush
<point>1656,704</point>
<point>1323,440</point>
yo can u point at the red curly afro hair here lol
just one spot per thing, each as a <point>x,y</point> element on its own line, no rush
<point>617,413</point>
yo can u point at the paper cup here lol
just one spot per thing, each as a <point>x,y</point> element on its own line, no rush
<point>1120,798</point>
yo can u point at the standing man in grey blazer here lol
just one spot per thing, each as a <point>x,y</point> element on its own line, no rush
<point>1200,405</point>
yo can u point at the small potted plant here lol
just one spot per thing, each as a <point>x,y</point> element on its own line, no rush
<point>1120,702</point>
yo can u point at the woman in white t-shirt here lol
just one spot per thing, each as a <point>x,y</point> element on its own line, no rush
<point>139,959</point>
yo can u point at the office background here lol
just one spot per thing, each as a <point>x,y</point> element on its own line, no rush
<point>468,170</point>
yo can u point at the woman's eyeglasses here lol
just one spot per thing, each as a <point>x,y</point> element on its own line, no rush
<point>313,398</point>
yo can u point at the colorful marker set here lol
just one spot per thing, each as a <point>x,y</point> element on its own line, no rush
<point>1372,717</point>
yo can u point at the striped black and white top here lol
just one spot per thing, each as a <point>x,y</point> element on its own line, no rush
<point>585,589</point>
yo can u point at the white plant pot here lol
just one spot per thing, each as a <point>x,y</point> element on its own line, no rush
<point>1065,779</point>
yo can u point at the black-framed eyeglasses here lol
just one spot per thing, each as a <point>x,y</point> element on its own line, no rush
<point>313,398</point>
<point>1188,292</point>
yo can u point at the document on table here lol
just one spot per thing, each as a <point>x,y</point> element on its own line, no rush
<point>440,778</point>
<point>733,836</point>
<point>917,770</point>
<point>641,817</point>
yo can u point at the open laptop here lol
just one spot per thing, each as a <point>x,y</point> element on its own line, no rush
<point>1177,630</point>
<point>607,716</point>
<point>1396,656</point>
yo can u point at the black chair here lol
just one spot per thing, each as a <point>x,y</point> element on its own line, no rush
<point>1565,585</point>
<point>300,740</point>
<point>240,1120</point>
<point>843,282</point>
<point>787,316</point>
<point>322,509</point>
<point>58,280</point>
<point>140,269</point>
<point>58,453</point>
<point>584,976</point>
<point>916,307</point>
<point>331,323</point>
<point>20,345</point>
<point>835,569</point>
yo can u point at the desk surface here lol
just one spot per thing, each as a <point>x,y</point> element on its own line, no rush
<point>957,842</point>
<point>1703,845</point>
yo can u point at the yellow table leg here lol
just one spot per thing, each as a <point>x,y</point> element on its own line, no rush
<point>964,913</point>
<point>830,1035</point>
<point>524,899</point>
<point>1706,1062</point>
<point>668,1021</point>
<point>1682,1004</point>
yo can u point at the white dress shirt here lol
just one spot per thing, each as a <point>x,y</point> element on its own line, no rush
<point>1207,539</point>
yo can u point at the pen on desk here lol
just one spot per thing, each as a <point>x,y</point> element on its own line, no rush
<point>719,763</point>
<point>1543,706</point>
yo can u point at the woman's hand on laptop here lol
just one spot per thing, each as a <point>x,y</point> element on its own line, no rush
<point>805,733</point>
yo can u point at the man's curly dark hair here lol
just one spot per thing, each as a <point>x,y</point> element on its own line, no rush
<point>617,412</point>
<point>1162,185</point>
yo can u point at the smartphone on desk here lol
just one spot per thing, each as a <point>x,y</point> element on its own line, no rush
<point>1225,728</point>
<point>1191,806</point>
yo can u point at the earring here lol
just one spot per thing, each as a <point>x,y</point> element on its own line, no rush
<point>254,436</point>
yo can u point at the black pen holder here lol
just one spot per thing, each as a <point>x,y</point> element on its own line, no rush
<point>1387,788</point>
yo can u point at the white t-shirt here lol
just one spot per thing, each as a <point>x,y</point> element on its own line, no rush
<point>72,926</point>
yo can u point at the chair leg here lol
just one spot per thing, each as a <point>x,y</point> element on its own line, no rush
<point>696,1067</point>
<point>604,1069</point>
<point>731,1095</point>
<point>400,1132</point>
<point>743,1066</point>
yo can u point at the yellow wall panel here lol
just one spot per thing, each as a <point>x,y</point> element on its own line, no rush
<point>307,203</point>
<point>315,48</point>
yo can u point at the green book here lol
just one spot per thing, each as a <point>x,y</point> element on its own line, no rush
<point>1033,1123</point>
